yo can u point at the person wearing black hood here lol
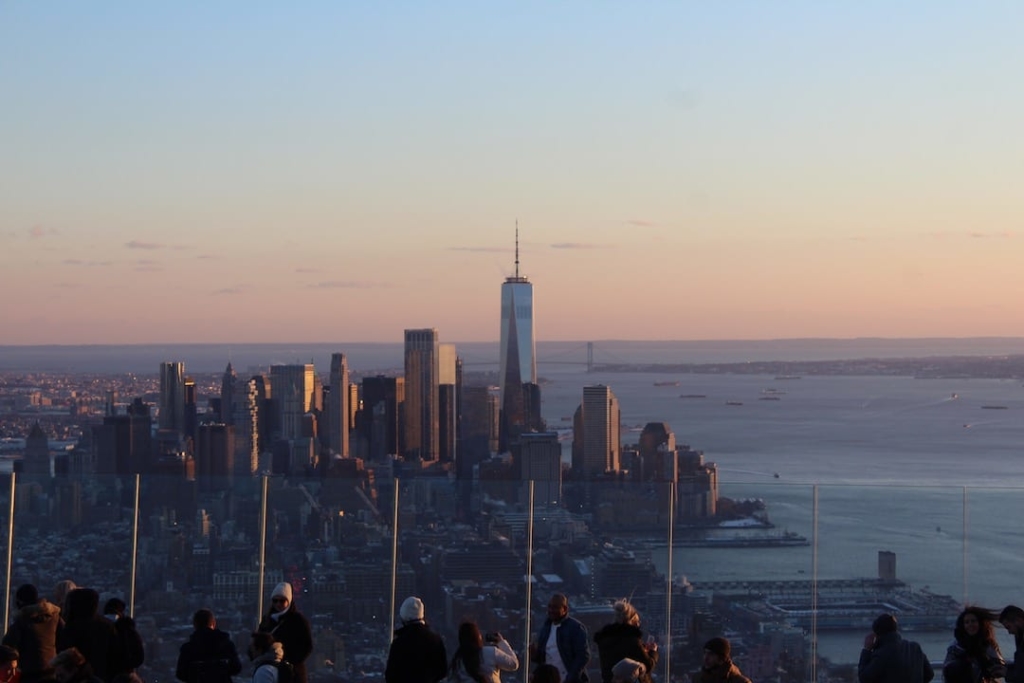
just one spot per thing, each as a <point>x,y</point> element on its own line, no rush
<point>209,656</point>
<point>34,633</point>
<point>92,635</point>
<point>133,653</point>
<point>888,658</point>
<point>623,639</point>
<point>290,628</point>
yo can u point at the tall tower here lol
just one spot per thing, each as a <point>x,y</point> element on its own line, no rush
<point>228,387</point>
<point>518,353</point>
<point>293,389</point>
<point>421,394</point>
<point>338,418</point>
<point>172,396</point>
<point>600,428</point>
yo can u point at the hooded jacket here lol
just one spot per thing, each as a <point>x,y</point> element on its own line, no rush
<point>417,655</point>
<point>33,634</point>
<point>95,637</point>
<point>894,660</point>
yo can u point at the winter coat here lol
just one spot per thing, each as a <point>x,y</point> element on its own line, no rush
<point>493,660</point>
<point>417,655</point>
<point>264,667</point>
<point>94,636</point>
<point>894,660</point>
<point>291,630</point>
<point>33,634</point>
<point>209,656</point>
<point>573,648</point>
<point>130,642</point>
<point>618,641</point>
<point>982,669</point>
<point>726,673</point>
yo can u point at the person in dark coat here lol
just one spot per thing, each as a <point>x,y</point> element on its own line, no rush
<point>9,671</point>
<point>718,666</point>
<point>290,628</point>
<point>133,653</point>
<point>92,635</point>
<point>623,639</point>
<point>34,633</point>
<point>209,656</point>
<point>887,658</point>
<point>417,653</point>
<point>1012,619</point>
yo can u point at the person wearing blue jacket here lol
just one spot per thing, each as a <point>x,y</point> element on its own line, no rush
<point>563,642</point>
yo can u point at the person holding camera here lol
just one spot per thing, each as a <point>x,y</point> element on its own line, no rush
<point>477,662</point>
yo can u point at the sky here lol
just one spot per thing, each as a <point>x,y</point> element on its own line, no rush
<point>340,171</point>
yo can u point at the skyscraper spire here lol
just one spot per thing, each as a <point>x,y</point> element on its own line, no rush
<point>517,248</point>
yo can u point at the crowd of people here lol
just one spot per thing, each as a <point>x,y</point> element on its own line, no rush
<point>65,639</point>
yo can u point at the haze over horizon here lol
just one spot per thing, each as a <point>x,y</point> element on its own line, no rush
<point>249,172</point>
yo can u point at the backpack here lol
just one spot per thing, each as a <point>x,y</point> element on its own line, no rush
<point>285,670</point>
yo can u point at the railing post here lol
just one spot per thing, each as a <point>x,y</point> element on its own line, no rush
<point>966,531</point>
<point>135,548</point>
<point>394,559</point>
<point>529,584</point>
<point>814,584</point>
<point>668,581</point>
<point>263,547</point>
<point>10,551</point>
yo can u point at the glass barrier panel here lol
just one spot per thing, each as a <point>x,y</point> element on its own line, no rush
<point>887,549</point>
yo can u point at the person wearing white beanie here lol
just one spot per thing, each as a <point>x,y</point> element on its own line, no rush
<point>289,627</point>
<point>417,653</point>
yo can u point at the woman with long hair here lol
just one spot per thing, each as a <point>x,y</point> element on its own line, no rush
<point>973,656</point>
<point>475,662</point>
<point>623,639</point>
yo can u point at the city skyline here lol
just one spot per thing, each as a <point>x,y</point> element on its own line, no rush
<point>245,173</point>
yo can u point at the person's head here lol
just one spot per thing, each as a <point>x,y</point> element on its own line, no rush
<point>114,607</point>
<point>203,618</point>
<point>470,637</point>
<point>958,671</point>
<point>67,664</point>
<point>558,607</point>
<point>260,643</point>
<point>884,625</point>
<point>625,613</point>
<point>81,604</point>
<point>1012,619</point>
<point>716,652</point>
<point>8,663</point>
<point>281,598</point>
<point>61,590</point>
<point>27,594</point>
<point>627,671</point>
<point>546,673</point>
<point>411,610</point>
<point>974,624</point>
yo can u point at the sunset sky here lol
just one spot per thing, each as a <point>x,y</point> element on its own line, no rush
<point>317,171</point>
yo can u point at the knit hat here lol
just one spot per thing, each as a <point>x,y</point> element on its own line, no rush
<point>628,669</point>
<point>283,590</point>
<point>718,646</point>
<point>412,609</point>
<point>27,594</point>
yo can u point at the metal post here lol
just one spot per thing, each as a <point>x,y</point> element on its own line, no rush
<point>135,548</point>
<point>966,531</point>
<point>814,585</point>
<point>394,559</point>
<point>529,584</point>
<point>263,547</point>
<point>667,643</point>
<point>10,551</point>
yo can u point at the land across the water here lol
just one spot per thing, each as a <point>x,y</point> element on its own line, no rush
<point>933,367</point>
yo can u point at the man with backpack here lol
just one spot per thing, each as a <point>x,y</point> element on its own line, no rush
<point>209,656</point>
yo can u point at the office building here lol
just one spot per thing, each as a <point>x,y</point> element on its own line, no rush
<point>338,408</point>
<point>597,430</point>
<point>228,387</point>
<point>378,423</point>
<point>172,397</point>
<point>539,459</point>
<point>292,389</point>
<point>421,395</point>
<point>448,396</point>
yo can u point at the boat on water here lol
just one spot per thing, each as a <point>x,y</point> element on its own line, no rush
<point>769,398</point>
<point>994,408</point>
<point>693,395</point>
<point>734,403</point>
<point>787,376</point>
<point>786,539</point>
<point>666,384</point>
